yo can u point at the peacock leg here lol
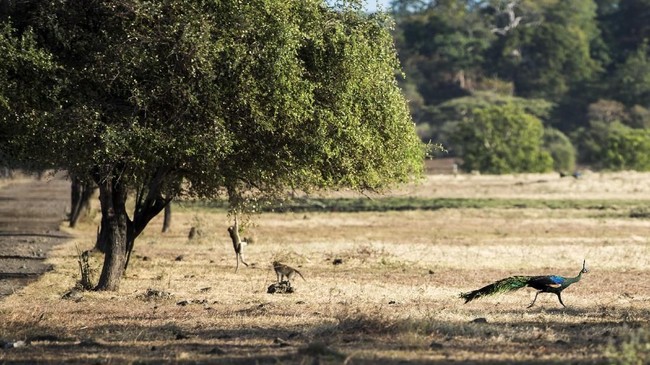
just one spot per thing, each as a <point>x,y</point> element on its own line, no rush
<point>536,294</point>
<point>560,298</point>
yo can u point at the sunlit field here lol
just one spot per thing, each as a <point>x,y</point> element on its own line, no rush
<point>391,297</point>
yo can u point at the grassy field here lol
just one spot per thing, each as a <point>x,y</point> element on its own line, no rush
<point>392,300</point>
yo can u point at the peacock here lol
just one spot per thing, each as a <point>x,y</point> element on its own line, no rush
<point>544,284</point>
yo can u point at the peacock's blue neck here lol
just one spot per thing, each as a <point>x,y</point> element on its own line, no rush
<point>570,281</point>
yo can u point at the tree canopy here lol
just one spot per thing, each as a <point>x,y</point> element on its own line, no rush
<point>572,54</point>
<point>25,92</point>
<point>250,98</point>
<point>502,139</point>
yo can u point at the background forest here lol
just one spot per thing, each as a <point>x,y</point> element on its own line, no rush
<point>529,85</point>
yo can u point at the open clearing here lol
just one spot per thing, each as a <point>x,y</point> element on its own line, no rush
<point>393,299</point>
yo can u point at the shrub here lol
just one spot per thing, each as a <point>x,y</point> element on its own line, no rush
<point>502,139</point>
<point>627,149</point>
<point>614,146</point>
<point>635,350</point>
<point>561,149</point>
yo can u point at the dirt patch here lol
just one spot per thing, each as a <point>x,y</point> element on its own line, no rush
<point>31,211</point>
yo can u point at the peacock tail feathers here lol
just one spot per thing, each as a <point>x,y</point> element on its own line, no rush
<point>498,287</point>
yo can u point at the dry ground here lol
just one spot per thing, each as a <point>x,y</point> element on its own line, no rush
<point>393,300</point>
<point>31,211</point>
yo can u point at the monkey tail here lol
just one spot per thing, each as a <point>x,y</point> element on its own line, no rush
<point>298,272</point>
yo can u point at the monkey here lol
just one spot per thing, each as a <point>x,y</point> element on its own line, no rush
<point>237,243</point>
<point>194,232</point>
<point>282,271</point>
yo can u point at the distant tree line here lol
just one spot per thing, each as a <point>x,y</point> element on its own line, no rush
<point>581,68</point>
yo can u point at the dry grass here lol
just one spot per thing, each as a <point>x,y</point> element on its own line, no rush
<point>393,298</point>
<point>19,178</point>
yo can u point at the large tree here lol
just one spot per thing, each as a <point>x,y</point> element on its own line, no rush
<point>546,58</point>
<point>25,92</point>
<point>631,80</point>
<point>243,98</point>
<point>628,23</point>
<point>502,139</point>
<point>442,45</point>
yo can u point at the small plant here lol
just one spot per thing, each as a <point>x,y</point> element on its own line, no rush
<point>197,231</point>
<point>86,280</point>
<point>640,213</point>
<point>634,350</point>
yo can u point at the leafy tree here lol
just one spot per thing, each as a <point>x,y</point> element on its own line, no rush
<point>627,149</point>
<point>614,146</point>
<point>249,98</point>
<point>25,87</point>
<point>607,111</point>
<point>639,117</point>
<point>632,78</point>
<point>441,45</point>
<point>628,23</point>
<point>589,140</point>
<point>606,13</point>
<point>502,139</point>
<point>439,123</point>
<point>403,7</point>
<point>561,149</point>
<point>610,111</point>
<point>539,49</point>
<point>545,60</point>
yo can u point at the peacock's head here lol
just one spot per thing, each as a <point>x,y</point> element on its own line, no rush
<point>584,267</point>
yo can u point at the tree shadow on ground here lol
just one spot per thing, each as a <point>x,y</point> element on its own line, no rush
<point>355,339</point>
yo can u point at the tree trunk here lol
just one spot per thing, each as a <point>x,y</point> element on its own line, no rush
<point>115,228</point>
<point>75,198</point>
<point>101,244</point>
<point>167,221</point>
<point>145,210</point>
<point>148,203</point>
<point>117,232</point>
<point>80,200</point>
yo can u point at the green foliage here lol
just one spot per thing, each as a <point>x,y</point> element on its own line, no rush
<point>202,98</point>
<point>251,96</point>
<point>639,117</point>
<point>502,139</point>
<point>561,149</point>
<point>21,61</point>
<point>627,149</point>
<point>442,46</point>
<point>609,111</point>
<point>641,212</point>
<point>610,208</point>
<point>456,108</point>
<point>26,89</point>
<point>545,60</point>
<point>439,123</point>
<point>627,22</point>
<point>615,146</point>
<point>632,78</point>
<point>568,52</point>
